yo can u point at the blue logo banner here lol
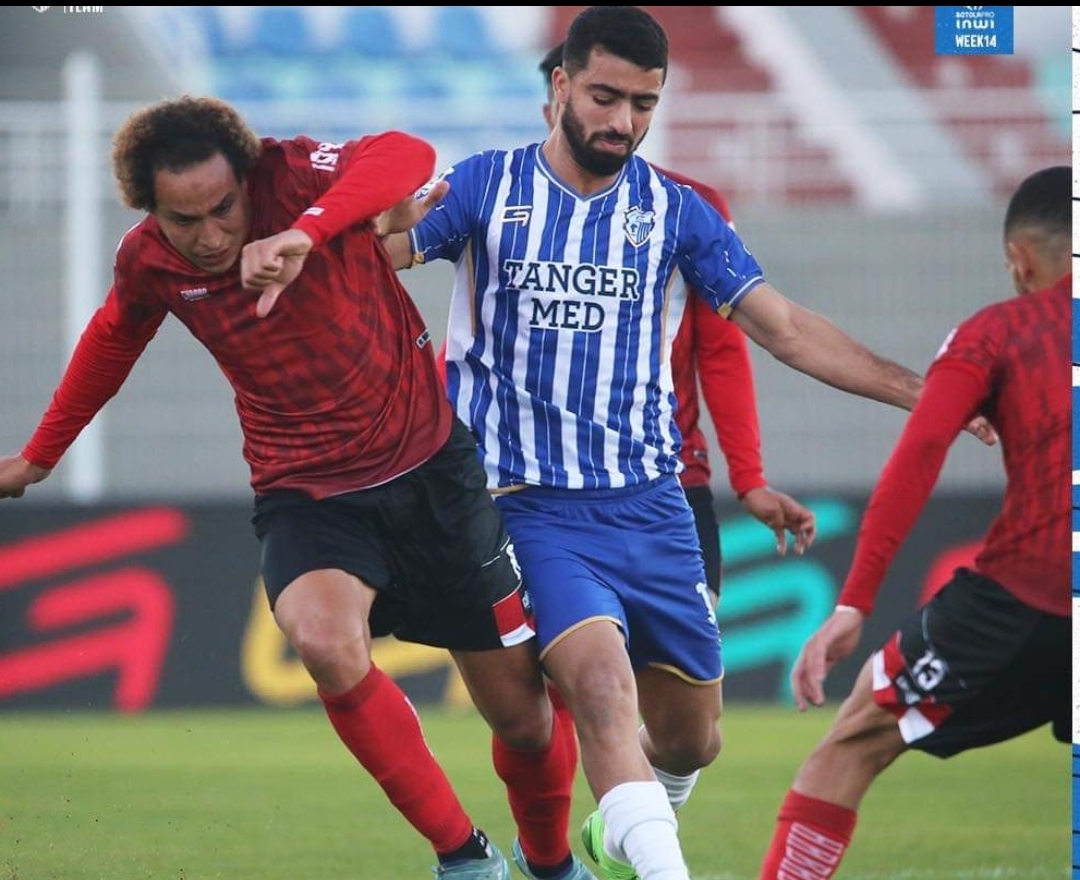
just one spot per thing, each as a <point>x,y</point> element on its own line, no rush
<point>973,30</point>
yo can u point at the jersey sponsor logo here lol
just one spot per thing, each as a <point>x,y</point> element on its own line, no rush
<point>638,225</point>
<point>325,158</point>
<point>558,290</point>
<point>519,214</point>
<point>423,339</point>
<point>194,294</point>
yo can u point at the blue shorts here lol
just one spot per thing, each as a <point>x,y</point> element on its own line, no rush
<point>627,555</point>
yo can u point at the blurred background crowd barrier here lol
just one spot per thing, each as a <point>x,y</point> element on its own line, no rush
<point>867,173</point>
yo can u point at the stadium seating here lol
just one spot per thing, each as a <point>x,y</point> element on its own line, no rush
<point>728,122</point>
<point>724,123</point>
<point>463,33</point>
<point>993,104</point>
<point>371,33</point>
<point>207,20</point>
<point>281,33</point>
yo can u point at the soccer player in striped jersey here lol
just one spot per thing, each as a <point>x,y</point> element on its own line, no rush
<point>370,502</point>
<point>988,658</point>
<point>570,258</point>
<point>710,362</point>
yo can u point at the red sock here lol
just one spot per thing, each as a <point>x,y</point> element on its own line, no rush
<point>539,788</point>
<point>809,841</point>
<point>565,728</point>
<point>381,728</point>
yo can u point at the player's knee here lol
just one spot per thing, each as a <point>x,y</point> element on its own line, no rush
<point>528,728</point>
<point>601,689</point>
<point>685,748</point>
<point>334,658</point>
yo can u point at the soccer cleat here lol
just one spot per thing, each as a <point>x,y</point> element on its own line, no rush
<point>592,837</point>
<point>577,870</point>
<point>494,867</point>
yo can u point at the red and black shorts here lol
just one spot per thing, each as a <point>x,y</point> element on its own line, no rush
<point>431,542</point>
<point>976,666</point>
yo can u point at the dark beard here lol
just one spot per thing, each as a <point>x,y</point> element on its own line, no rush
<point>592,161</point>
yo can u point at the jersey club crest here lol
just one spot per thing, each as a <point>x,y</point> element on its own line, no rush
<point>638,225</point>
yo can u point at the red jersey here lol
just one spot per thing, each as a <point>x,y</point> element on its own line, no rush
<point>1009,362</point>
<point>336,388</point>
<point>710,353</point>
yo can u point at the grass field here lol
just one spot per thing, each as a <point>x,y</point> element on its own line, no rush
<point>273,795</point>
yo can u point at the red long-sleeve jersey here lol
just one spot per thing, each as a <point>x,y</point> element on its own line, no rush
<point>710,353</point>
<point>1009,362</point>
<point>336,388</point>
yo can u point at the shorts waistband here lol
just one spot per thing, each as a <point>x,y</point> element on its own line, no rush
<point>571,495</point>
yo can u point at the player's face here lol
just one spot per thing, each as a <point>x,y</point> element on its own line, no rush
<point>204,212</point>
<point>606,112</point>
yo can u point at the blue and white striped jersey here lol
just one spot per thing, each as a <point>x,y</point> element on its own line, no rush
<point>563,313</point>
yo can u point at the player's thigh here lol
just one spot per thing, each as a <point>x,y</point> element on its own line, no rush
<point>324,606</point>
<point>861,723</point>
<point>509,691</point>
<point>299,534</point>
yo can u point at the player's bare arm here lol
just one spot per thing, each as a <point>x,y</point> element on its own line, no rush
<point>16,473</point>
<point>400,250</point>
<point>812,344</point>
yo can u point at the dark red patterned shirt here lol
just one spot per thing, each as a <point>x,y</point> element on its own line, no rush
<point>1010,362</point>
<point>336,388</point>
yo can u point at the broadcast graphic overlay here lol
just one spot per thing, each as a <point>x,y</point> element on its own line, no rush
<point>1075,480</point>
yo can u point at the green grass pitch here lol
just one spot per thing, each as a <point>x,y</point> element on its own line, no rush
<point>273,795</point>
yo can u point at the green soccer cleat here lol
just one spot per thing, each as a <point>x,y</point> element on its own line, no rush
<point>494,867</point>
<point>592,837</point>
<point>577,870</point>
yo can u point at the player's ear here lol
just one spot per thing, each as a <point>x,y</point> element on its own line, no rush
<point>560,85</point>
<point>1020,264</point>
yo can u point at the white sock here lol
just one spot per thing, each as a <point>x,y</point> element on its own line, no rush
<point>678,788</point>
<point>640,828</point>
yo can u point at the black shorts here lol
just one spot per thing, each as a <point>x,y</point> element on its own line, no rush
<point>431,542</point>
<point>976,666</point>
<point>700,499</point>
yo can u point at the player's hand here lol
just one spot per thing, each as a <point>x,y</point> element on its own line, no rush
<point>980,426</point>
<point>834,640</point>
<point>16,473</point>
<point>272,264</point>
<point>411,210</point>
<point>783,514</point>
